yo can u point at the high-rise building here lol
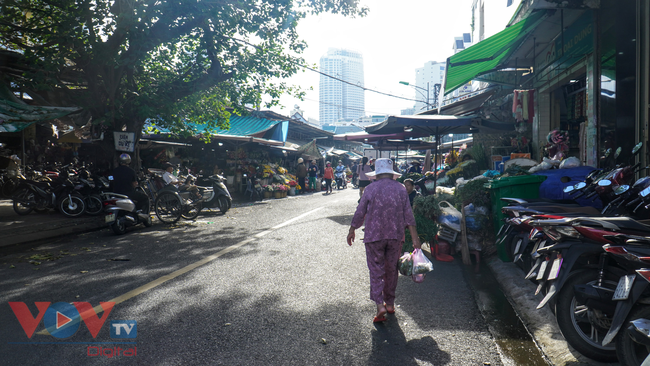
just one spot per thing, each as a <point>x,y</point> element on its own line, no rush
<point>432,73</point>
<point>338,100</point>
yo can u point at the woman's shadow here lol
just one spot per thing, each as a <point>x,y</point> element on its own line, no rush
<point>389,347</point>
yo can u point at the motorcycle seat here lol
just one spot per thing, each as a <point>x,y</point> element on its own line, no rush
<point>541,203</point>
<point>39,184</point>
<point>626,223</point>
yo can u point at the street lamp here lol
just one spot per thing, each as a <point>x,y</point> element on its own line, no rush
<point>420,88</point>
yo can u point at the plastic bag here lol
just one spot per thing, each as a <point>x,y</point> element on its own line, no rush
<point>449,216</point>
<point>405,264</point>
<point>571,162</point>
<point>418,278</point>
<point>421,264</point>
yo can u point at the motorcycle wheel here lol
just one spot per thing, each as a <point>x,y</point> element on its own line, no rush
<point>94,205</point>
<point>24,201</point>
<point>168,207</point>
<point>119,227</point>
<point>72,205</point>
<point>192,211</point>
<point>224,204</point>
<point>630,352</point>
<point>582,327</point>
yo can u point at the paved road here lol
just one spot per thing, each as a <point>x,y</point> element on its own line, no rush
<point>266,284</point>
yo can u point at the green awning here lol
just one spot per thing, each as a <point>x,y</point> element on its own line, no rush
<point>488,54</point>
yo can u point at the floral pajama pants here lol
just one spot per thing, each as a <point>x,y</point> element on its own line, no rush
<point>382,257</point>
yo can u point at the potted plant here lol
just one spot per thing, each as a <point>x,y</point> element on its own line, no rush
<point>268,191</point>
<point>292,187</point>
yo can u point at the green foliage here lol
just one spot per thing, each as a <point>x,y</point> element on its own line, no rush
<point>426,209</point>
<point>467,169</point>
<point>473,192</point>
<point>514,170</point>
<point>477,152</point>
<point>171,62</point>
<point>412,176</point>
<point>429,206</point>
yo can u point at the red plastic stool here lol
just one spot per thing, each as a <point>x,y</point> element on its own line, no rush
<point>442,250</point>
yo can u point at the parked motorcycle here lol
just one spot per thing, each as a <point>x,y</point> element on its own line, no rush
<point>41,196</point>
<point>121,213</point>
<point>215,193</point>
<point>341,180</point>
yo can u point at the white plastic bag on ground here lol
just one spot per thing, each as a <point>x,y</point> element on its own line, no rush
<point>570,162</point>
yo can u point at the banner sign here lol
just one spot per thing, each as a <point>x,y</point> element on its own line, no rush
<point>124,141</point>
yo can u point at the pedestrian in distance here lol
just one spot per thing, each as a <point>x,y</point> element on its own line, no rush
<point>364,179</point>
<point>313,175</point>
<point>301,174</point>
<point>355,174</point>
<point>328,176</point>
<point>386,210</point>
<point>410,189</point>
<point>415,167</point>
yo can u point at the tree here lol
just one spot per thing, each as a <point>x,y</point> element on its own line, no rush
<point>171,61</point>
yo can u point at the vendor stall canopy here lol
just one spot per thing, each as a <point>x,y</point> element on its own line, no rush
<point>15,117</point>
<point>428,125</point>
<point>489,54</point>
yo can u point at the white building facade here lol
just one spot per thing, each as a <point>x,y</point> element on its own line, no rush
<point>429,76</point>
<point>339,100</point>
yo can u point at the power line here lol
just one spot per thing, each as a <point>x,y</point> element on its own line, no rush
<point>347,108</point>
<point>330,76</point>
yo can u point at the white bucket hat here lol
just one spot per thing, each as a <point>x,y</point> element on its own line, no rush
<point>383,166</point>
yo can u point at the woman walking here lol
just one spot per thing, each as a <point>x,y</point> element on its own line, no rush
<point>386,210</point>
<point>328,175</point>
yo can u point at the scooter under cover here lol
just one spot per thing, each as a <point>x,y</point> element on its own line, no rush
<point>571,251</point>
<point>624,307</point>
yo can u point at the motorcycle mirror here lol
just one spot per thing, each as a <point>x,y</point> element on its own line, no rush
<point>618,152</point>
<point>568,189</point>
<point>608,152</point>
<point>605,183</point>
<point>580,185</point>
<point>621,189</point>
<point>110,177</point>
<point>637,148</point>
<point>644,193</point>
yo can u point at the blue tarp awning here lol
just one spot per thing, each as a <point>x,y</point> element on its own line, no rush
<point>242,126</point>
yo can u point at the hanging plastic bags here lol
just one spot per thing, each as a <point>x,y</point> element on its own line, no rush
<point>421,266</point>
<point>405,264</point>
<point>415,264</point>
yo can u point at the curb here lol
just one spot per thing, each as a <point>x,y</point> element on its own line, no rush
<point>541,324</point>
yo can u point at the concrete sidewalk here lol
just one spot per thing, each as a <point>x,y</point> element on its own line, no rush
<point>16,229</point>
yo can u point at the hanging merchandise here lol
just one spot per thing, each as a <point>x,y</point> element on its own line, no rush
<point>523,108</point>
<point>558,144</point>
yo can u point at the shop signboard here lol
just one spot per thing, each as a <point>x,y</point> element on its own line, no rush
<point>558,55</point>
<point>124,141</point>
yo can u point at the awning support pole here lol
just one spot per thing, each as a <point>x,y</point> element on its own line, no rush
<point>23,162</point>
<point>435,164</point>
